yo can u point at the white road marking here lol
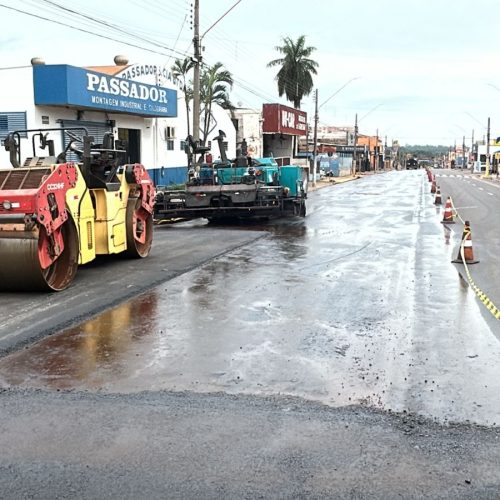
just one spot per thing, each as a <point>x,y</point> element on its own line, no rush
<point>491,194</point>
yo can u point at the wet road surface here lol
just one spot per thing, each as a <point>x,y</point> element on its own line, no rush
<point>109,280</point>
<point>478,201</point>
<point>356,304</point>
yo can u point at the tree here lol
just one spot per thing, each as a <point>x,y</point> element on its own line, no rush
<point>295,75</point>
<point>214,83</point>
<point>180,70</point>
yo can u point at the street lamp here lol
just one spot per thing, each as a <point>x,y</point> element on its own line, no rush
<point>356,122</point>
<point>338,90</point>
<point>316,119</point>
<point>371,111</point>
<point>197,63</point>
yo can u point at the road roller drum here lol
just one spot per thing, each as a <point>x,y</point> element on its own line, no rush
<point>56,215</point>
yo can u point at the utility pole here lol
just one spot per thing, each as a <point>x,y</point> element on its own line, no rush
<point>463,153</point>
<point>196,72</point>
<point>473,151</point>
<point>375,153</point>
<point>315,138</point>
<point>385,149</point>
<point>487,172</point>
<point>354,151</point>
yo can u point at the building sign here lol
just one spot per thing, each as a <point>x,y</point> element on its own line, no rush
<point>64,85</point>
<point>150,73</point>
<point>279,119</point>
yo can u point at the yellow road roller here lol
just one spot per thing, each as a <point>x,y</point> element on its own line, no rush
<point>56,214</point>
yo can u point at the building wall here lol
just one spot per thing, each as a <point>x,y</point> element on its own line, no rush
<point>249,128</point>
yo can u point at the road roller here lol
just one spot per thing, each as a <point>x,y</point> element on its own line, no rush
<point>59,212</point>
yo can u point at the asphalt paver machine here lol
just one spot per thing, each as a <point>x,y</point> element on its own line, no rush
<point>56,214</point>
<point>243,188</point>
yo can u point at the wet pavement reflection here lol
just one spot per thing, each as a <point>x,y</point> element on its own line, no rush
<point>357,303</point>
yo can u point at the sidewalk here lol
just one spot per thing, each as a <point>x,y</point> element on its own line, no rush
<point>331,181</point>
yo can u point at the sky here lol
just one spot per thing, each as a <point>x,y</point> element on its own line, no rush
<point>420,72</point>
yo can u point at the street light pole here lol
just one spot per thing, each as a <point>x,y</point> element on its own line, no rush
<point>196,72</point>
<point>316,119</point>
<point>315,138</point>
<point>463,152</point>
<point>197,62</point>
<point>487,172</point>
<point>354,151</point>
<point>338,90</point>
<point>473,150</point>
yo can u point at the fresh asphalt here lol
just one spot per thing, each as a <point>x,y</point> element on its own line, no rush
<point>108,281</point>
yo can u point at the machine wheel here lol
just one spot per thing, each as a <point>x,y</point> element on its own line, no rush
<point>21,269</point>
<point>303,210</point>
<point>139,229</point>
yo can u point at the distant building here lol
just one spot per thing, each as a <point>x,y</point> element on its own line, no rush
<point>273,131</point>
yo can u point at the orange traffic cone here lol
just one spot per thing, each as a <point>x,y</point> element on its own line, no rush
<point>433,186</point>
<point>437,199</point>
<point>448,212</point>
<point>467,243</point>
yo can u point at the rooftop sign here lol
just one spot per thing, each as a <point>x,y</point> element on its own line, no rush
<point>279,119</point>
<point>64,85</point>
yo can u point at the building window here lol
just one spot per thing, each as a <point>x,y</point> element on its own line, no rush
<point>12,121</point>
<point>183,145</point>
<point>170,132</point>
<point>170,144</point>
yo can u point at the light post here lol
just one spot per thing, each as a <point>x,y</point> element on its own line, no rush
<point>487,171</point>
<point>356,122</point>
<point>197,63</point>
<point>339,89</point>
<point>355,146</point>
<point>196,72</point>
<point>316,119</point>
<point>463,153</point>
<point>315,137</point>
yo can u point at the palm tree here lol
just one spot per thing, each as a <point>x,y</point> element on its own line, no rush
<point>295,75</point>
<point>214,84</point>
<point>180,70</point>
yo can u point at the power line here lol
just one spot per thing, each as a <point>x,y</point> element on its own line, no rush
<point>100,35</point>
<point>104,23</point>
<point>246,86</point>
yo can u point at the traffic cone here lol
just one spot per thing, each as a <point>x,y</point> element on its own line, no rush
<point>467,243</point>
<point>433,187</point>
<point>448,212</point>
<point>437,199</point>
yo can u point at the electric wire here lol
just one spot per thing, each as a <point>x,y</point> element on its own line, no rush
<point>114,27</point>
<point>238,81</point>
<point>100,35</point>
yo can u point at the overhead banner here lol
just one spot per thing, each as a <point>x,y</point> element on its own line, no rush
<point>279,119</point>
<point>64,85</point>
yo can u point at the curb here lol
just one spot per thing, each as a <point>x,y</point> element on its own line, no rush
<point>331,182</point>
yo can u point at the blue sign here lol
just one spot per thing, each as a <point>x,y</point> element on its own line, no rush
<point>64,85</point>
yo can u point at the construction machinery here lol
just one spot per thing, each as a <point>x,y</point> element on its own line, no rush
<point>242,188</point>
<point>56,214</point>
